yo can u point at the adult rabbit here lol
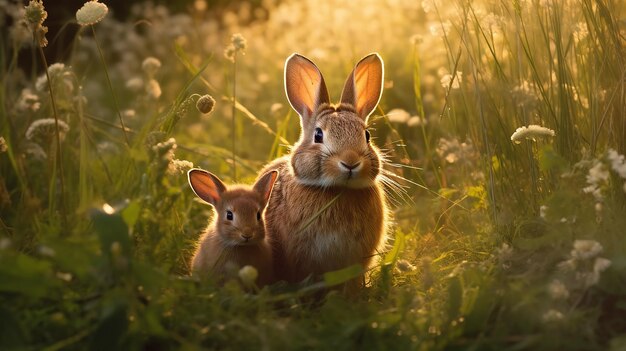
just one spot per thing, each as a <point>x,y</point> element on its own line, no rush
<point>333,162</point>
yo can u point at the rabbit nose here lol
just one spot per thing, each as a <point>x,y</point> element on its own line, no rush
<point>350,167</point>
<point>246,236</point>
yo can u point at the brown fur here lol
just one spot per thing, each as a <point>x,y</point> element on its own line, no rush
<point>352,229</point>
<point>228,245</point>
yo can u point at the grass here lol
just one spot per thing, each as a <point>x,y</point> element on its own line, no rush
<point>494,245</point>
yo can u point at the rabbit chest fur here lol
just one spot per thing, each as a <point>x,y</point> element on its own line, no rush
<point>348,232</point>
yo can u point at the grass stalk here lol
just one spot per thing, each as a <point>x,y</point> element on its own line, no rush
<point>57,134</point>
<point>108,79</point>
<point>233,121</point>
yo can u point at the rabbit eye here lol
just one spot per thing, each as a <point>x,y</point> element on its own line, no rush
<point>229,215</point>
<point>258,216</point>
<point>367,136</point>
<point>319,135</point>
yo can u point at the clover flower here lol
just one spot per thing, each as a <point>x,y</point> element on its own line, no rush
<point>56,71</point>
<point>552,316</point>
<point>586,249</point>
<point>91,13</point>
<point>531,132</point>
<point>205,104</point>
<point>179,166</point>
<point>45,128</point>
<point>151,66</point>
<point>28,101</point>
<point>558,290</point>
<point>617,163</point>
<point>597,178</point>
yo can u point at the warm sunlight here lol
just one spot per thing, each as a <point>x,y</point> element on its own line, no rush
<point>313,174</point>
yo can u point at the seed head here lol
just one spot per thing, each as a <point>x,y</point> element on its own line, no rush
<point>205,104</point>
<point>239,42</point>
<point>35,13</point>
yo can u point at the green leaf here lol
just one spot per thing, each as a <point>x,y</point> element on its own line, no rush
<point>131,213</point>
<point>343,275</point>
<point>111,228</point>
<point>20,273</point>
<point>550,160</point>
<point>113,324</point>
<point>398,247</point>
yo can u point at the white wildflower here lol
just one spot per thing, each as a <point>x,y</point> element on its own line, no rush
<point>91,13</point>
<point>552,316</point>
<point>129,113</point>
<point>597,178</point>
<point>55,71</point>
<point>601,264</point>
<point>276,107</point>
<point>46,128</point>
<point>567,266</point>
<point>248,275</point>
<point>135,84</point>
<point>405,266</point>
<point>558,290</point>
<point>416,121</point>
<point>151,66</point>
<point>617,163</point>
<point>398,115</point>
<point>153,89</point>
<point>28,101</point>
<point>531,132</point>
<point>239,42</point>
<point>504,252</point>
<point>588,279</point>
<point>179,166</point>
<point>446,80</point>
<point>586,249</point>
<point>46,251</point>
<point>67,277</point>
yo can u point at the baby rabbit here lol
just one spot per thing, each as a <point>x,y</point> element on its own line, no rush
<point>334,160</point>
<point>236,236</point>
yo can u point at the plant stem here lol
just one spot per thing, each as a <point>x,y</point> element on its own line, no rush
<point>234,110</point>
<point>106,73</point>
<point>57,132</point>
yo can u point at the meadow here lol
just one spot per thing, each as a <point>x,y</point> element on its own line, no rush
<point>503,124</point>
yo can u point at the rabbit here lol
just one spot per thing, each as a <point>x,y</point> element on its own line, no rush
<point>236,236</point>
<point>333,157</point>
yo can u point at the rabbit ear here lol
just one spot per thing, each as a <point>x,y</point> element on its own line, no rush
<point>265,184</point>
<point>304,85</point>
<point>364,85</point>
<point>206,185</point>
